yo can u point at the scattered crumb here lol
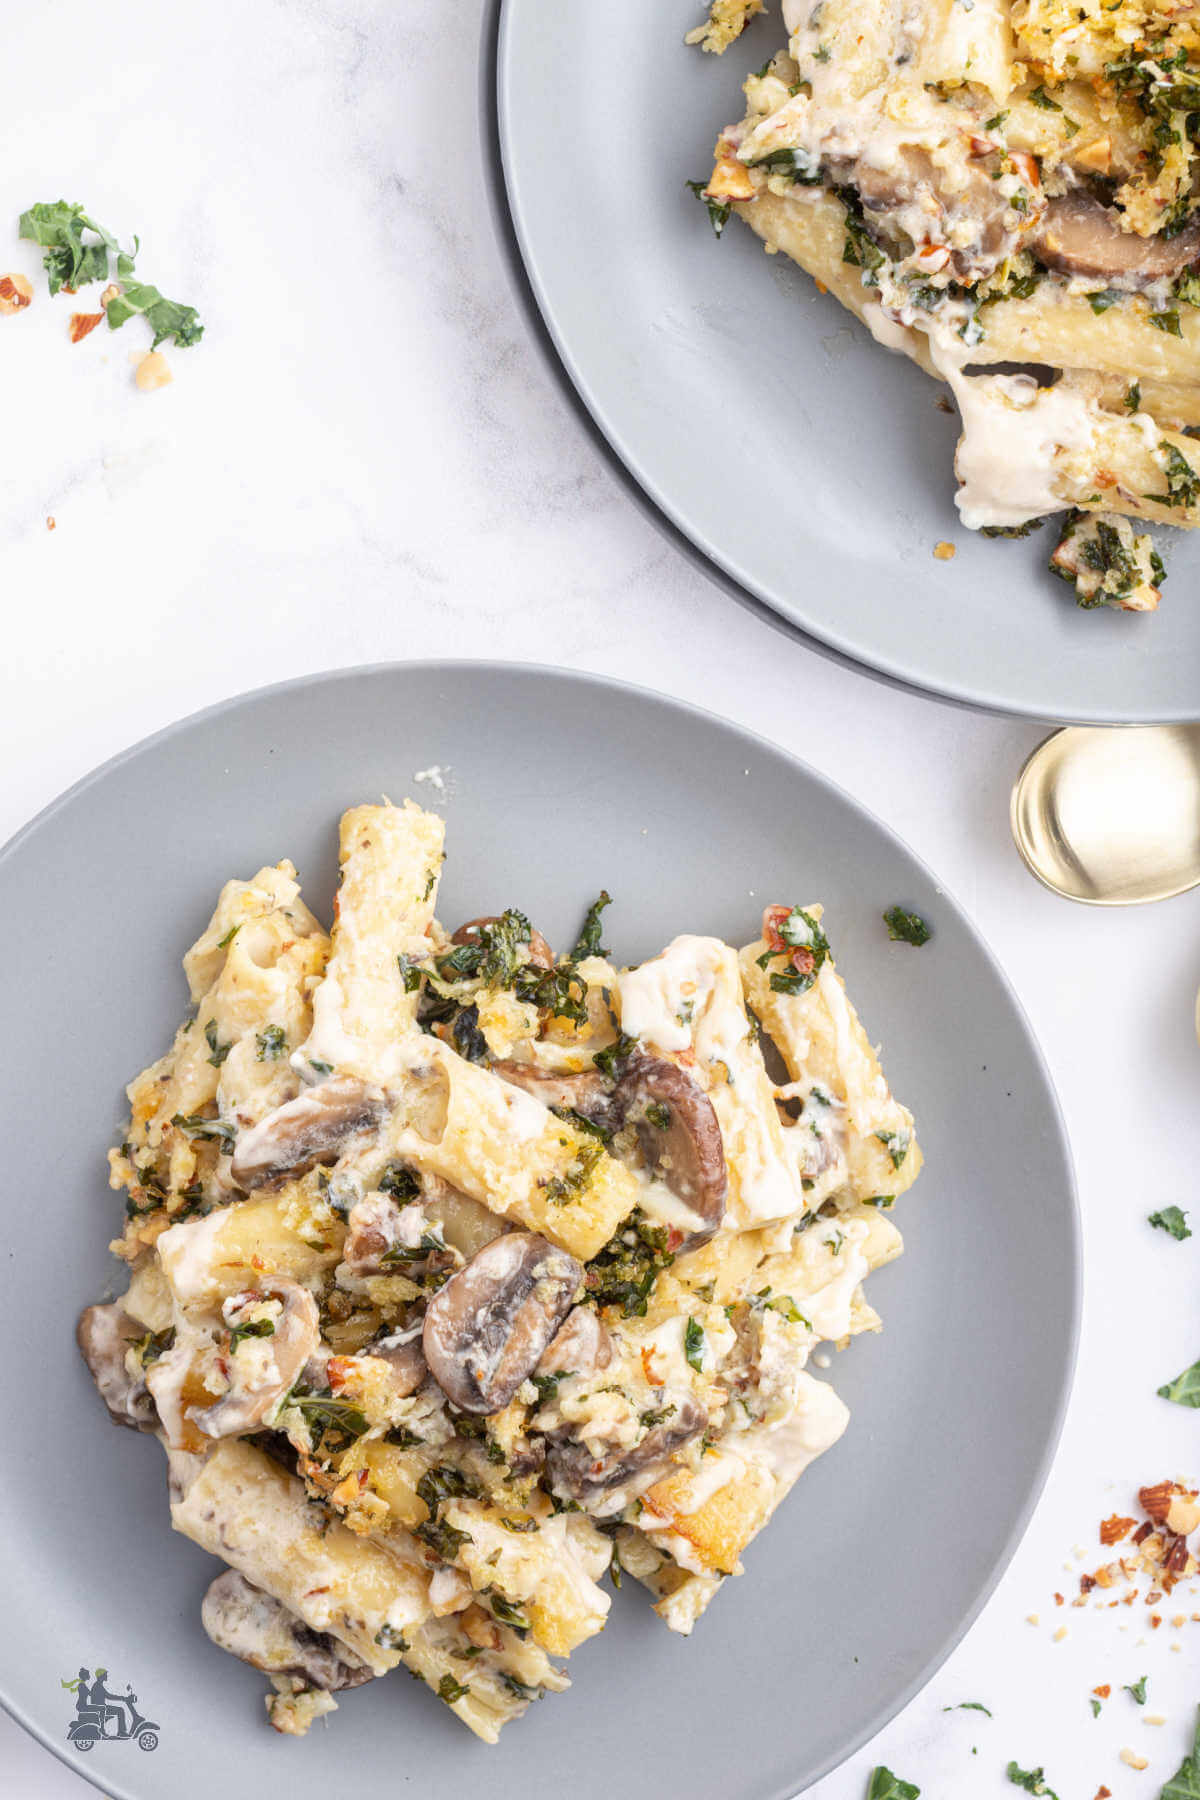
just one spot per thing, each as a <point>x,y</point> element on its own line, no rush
<point>1103,1793</point>
<point>1060,1634</point>
<point>943,551</point>
<point>153,371</point>
<point>1133,1760</point>
<point>821,288</point>
<point>1032,1619</point>
<point>1154,1719</point>
<point>823,1359</point>
<point>943,405</point>
<point>51,523</point>
<point>435,775</point>
<point>16,293</point>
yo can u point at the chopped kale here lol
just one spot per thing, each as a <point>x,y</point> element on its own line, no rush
<point>1172,1219</point>
<point>718,210</point>
<point>693,1345</point>
<point>1185,1389</point>
<point>906,927</point>
<point>588,942</point>
<point>272,1044</point>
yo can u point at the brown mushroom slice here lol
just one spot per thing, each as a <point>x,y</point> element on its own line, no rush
<point>488,1327</point>
<point>586,1093</point>
<point>974,218</point>
<point>540,953</point>
<point>574,1472</point>
<point>259,1630</point>
<point>318,1126</point>
<point>680,1137</point>
<point>406,1359</point>
<point>1081,237</point>
<point>263,1367</point>
<point>580,1346</point>
<point>104,1334</point>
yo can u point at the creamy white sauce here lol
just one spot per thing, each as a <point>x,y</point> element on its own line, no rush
<point>788,1447</point>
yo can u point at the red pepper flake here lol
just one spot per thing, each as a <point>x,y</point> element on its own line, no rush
<point>648,1367</point>
<point>1058,1599</point>
<point>1103,1793</point>
<point>52,524</point>
<point>82,324</point>
<point>1102,1693</point>
<point>1155,1621</point>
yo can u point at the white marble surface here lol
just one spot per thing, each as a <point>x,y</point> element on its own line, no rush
<point>367,460</point>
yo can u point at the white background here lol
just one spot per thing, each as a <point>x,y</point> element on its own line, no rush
<point>366,460</point>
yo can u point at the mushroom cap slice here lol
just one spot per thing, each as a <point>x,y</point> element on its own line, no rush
<point>540,953</point>
<point>575,1472</point>
<point>488,1327</point>
<point>316,1127</point>
<point>1080,236</point>
<point>679,1135</point>
<point>259,1629</point>
<point>104,1334</point>
<point>262,1369</point>
<point>406,1361</point>
<point>586,1093</point>
<point>581,1345</point>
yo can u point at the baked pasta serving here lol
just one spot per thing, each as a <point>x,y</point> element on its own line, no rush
<point>462,1273</point>
<point>989,183</point>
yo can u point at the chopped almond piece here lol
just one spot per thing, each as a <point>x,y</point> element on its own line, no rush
<point>82,324</point>
<point>153,371</point>
<point>1114,1529</point>
<point>1156,1500</point>
<point>1096,156</point>
<point>16,293</point>
<point>1183,1514</point>
<point>730,181</point>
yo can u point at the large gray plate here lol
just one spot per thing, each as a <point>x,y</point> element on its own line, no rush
<point>809,467</point>
<point>561,784</point>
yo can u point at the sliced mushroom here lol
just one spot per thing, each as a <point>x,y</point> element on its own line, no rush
<point>581,1345</point>
<point>487,1328</point>
<point>260,1630</point>
<point>973,216</point>
<point>318,1126</point>
<point>262,1369</point>
<point>586,1093</point>
<point>406,1359</point>
<point>574,1472</point>
<point>540,953</point>
<point>104,1334</point>
<point>1080,236</point>
<point>679,1136</point>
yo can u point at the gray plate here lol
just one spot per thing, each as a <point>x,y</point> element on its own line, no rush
<point>807,466</point>
<point>561,784</point>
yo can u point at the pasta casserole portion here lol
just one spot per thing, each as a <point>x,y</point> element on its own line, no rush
<point>1007,192</point>
<point>462,1273</point>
